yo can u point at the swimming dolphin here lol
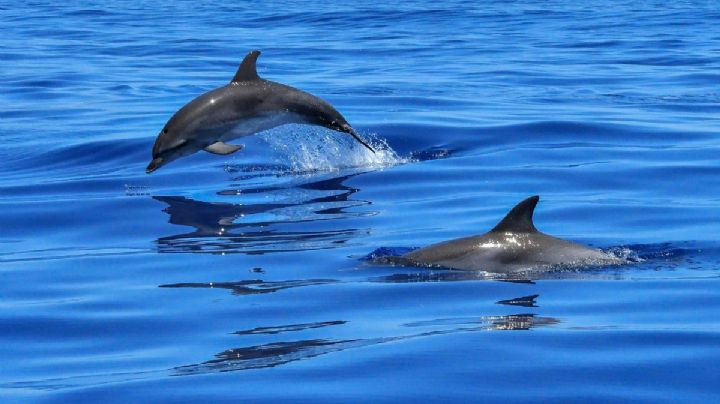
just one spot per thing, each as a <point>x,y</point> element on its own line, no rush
<point>246,105</point>
<point>511,246</point>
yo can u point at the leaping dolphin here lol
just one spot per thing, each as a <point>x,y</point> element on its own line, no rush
<point>246,105</point>
<point>511,246</point>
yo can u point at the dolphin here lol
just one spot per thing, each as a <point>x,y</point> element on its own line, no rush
<point>513,245</point>
<point>246,105</point>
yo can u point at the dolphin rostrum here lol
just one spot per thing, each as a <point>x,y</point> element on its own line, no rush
<point>246,105</point>
<point>511,246</point>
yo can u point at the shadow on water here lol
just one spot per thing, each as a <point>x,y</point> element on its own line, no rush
<point>257,228</point>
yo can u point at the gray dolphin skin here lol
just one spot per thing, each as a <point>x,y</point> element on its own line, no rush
<point>513,245</point>
<point>246,105</point>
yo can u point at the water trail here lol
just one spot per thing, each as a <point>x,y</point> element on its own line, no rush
<point>307,149</point>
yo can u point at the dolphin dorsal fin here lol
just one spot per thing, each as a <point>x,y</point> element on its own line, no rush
<point>247,70</point>
<point>520,218</point>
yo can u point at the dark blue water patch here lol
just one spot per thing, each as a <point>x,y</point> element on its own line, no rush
<point>90,157</point>
<point>594,44</point>
<point>90,13</point>
<point>544,133</point>
<point>662,251</point>
<point>667,61</point>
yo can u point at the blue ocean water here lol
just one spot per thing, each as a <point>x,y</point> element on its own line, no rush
<point>245,277</point>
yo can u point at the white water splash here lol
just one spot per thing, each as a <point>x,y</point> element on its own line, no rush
<point>309,149</point>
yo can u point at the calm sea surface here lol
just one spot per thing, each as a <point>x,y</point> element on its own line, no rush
<point>246,276</point>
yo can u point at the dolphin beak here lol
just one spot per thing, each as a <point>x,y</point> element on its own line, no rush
<point>349,130</point>
<point>154,165</point>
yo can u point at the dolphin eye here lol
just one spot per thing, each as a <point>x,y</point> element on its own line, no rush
<point>165,130</point>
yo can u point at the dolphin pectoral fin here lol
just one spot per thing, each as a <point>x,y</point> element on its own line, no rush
<point>223,149</point>
<point>247,70</point>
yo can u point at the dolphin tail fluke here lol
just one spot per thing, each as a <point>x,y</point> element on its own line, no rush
<point>520,218</point>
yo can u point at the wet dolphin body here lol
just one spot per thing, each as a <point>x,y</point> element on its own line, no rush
<point>513,245</point>
<point>246,105</point>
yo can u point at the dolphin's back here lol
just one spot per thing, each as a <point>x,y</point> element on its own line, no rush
<point>508,252</point>
<point>258,105</point>
<point>514,244</point>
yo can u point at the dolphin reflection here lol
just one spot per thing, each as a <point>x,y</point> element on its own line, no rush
<point>290,327</point>
<point>252,287</point>
<point>279,353</point>
<point>257,228</point>
<point>525,301</point>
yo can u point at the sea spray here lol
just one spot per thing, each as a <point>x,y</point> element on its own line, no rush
<point>305,149</point>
